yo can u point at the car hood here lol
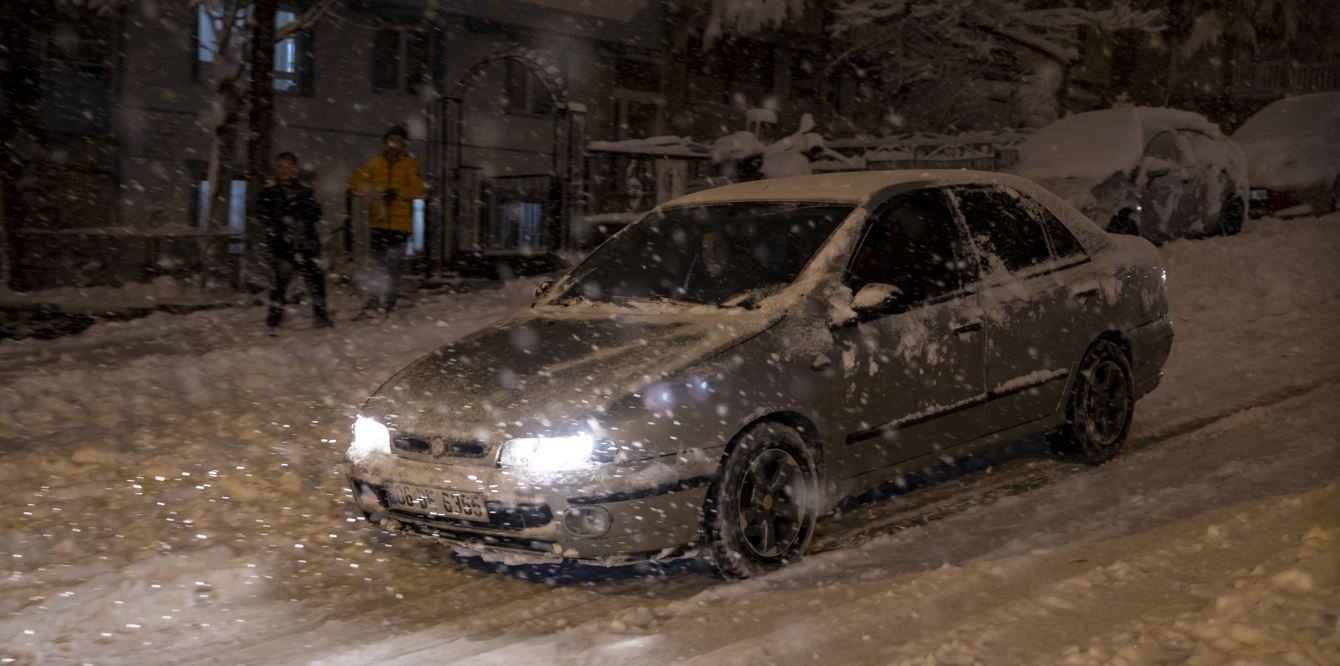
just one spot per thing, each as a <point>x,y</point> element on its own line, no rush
<point>534,372</point>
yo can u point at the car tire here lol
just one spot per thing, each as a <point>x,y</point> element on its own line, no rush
<point>1232,213</point>
<point>761,509</point>
<point>1099,407</point>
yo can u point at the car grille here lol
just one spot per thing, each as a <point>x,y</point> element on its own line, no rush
<point>450,448</point>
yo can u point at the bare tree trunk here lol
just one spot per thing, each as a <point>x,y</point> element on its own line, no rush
<point>222,156</point>
<point>261,125</point>
<point>1178,27</point>
<point>1228,62</point>
<point>1063,89</point>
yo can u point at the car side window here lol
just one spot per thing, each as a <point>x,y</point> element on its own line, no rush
<point>1001,227</point>
<point>1064,243</point>
<point>914,244</point>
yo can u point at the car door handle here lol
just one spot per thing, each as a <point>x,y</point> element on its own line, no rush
<point>965,329</point>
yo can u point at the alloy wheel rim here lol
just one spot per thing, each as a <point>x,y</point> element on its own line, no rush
<point>1104,403</point>
<point>770,505</point>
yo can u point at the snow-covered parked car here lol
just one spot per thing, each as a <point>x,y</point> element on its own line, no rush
<point>1293,154</point>
<point>727,368</point>
<point>1159,173</point>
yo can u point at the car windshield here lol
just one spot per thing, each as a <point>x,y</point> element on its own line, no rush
<point>722,254</point>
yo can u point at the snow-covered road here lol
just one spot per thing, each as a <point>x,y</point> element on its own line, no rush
<point>171,495</point>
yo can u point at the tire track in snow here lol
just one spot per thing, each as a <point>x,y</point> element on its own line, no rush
<point>1017,479</point>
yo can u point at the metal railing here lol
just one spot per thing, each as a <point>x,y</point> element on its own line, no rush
<point>1281,78</point>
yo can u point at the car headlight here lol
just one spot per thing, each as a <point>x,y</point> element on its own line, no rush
<point>370,437</point>
<point>555,454</point>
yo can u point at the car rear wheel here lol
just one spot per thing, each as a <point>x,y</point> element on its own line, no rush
<point>1231,214</point>
<point>1100,405</point>
<point>760,512</point>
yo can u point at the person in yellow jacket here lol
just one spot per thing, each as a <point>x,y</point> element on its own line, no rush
<point>391,179</point>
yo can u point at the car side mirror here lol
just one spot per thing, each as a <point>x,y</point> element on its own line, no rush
<point>876,297</point>
<point>543,287</point>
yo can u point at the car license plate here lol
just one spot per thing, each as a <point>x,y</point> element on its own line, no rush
<point>437,502</point>
<point>1259,195</point>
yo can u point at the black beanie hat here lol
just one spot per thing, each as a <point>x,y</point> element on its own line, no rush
<point>396,130</point>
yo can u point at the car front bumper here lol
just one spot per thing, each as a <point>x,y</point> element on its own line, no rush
<point>654,508</point>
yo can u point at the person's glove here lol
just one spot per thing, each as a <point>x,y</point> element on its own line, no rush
<point>389,196</point>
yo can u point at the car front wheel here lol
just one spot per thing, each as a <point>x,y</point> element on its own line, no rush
<point>760,512</point>
<point>1100,405</point>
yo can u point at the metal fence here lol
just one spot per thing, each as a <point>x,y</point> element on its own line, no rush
<point>1272,79</point>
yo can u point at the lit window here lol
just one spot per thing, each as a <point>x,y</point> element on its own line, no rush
<point>416,240</point>
<point>286,55</point>
<point>237,209</point>
<point>289,53</point>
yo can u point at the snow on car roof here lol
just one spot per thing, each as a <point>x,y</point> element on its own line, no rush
<point>1304,116</point>
<point>1294,143</point>
<point>857,187</point>
<point>1097,144</point>
<point>852,187</point>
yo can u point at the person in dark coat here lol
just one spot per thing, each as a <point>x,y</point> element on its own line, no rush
<point>290,214</point>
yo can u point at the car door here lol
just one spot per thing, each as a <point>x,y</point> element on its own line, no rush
<point>1028,303</point>
<point>912,367</point>
<point>1165,166</point>
<point>1077,286</point>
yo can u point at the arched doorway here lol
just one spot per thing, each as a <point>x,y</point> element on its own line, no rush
<point>504,162</point>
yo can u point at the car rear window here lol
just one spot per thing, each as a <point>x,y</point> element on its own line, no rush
<point>1001,227</point>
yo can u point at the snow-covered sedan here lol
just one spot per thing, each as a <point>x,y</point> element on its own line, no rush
<point>1293,153</point>
<point>1154,172</point>
<point>726,369</point>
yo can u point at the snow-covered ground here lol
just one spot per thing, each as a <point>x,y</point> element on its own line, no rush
<point>171,495</point>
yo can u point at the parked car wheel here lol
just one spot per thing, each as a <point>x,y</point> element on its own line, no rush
<point>760,513</point>
<point>1100,406</point>
<point>1231,214</point>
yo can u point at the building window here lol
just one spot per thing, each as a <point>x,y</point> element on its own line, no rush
<point>293,56</point>
<point>75,80</point>
<point>416,239</point>
<point>237,209</point>
<point>736,68</point>
<point>286,56</point>
<point>637,116</point>
<point>406,61</point>
<point>526,93</point>
<point>640,75</point>
<point>638,102</point>
<point>519,225</point>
